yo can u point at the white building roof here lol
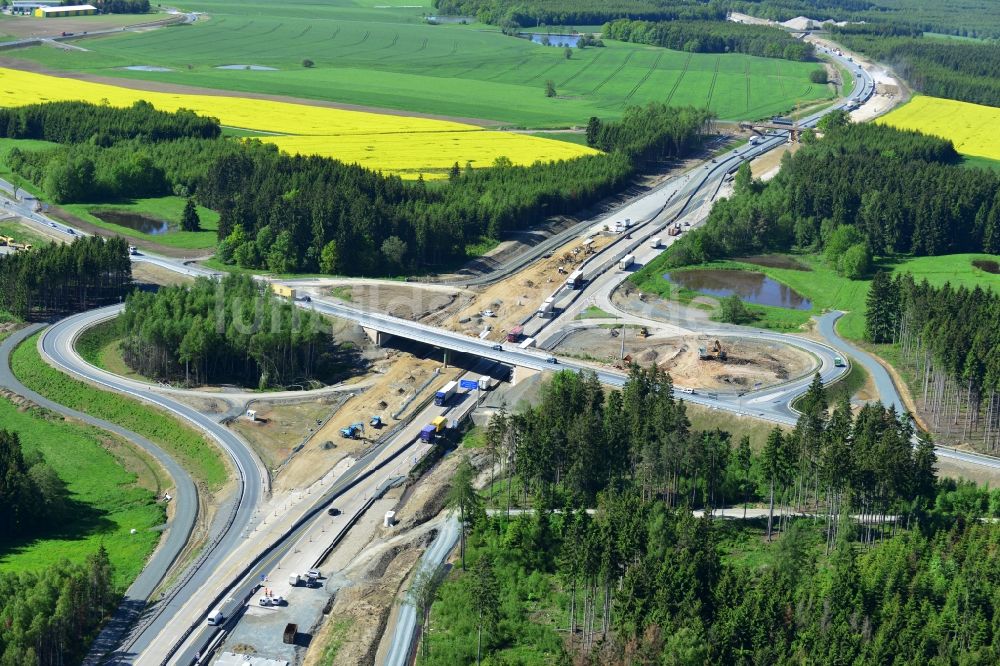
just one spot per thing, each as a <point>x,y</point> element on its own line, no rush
<point>68,8</point>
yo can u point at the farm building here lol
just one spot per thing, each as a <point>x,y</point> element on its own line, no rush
<point>29,6</point>
<point>69,10</point>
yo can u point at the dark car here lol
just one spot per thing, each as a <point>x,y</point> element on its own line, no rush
<point>333,511</point>
<point>497,347</point>
<point>551,359</point>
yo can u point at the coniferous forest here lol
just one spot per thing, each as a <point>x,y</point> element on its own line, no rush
<point>901,191</point>
<point>965,71</point>
<point>292,213</point>
<point>530,13</point>
<point>884,564</point>
<point>711,37</point>
<point>948,341</point>
<point>46,617</point>
<point>50,617</point>
<point>60,279</point>
<point>230,331</point>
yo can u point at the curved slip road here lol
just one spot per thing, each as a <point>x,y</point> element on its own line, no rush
<point>79,323</point>
<point>887,391</point>
<point>406,621</point>
<point>179,529</point>
<point>56,345</point>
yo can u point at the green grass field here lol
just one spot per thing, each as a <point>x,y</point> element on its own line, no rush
<point>100,345</point>
<point>188,447</point>
<point>370,54</point>
<point>168,209</point>
<point>981,162</point>
<point>110,501</point>
<point>829,291</point>
<point>6,145</point>
<point>22,234</point>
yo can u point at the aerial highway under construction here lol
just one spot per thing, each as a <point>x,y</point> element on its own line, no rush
<point>231,565</point>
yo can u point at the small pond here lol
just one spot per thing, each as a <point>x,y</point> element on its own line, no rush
<point>134,221</point>
<point>754,288</point>
<point>552,40</point>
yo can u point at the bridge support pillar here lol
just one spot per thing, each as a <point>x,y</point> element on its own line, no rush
<point>521,373</point>
<point>376,336</point>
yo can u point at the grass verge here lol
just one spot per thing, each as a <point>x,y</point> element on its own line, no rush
<point>475,438</point>
<point>112,487</point>
<point>848,386</point>
<point>594,312</point>
<point>201,458</point>
<point>22,234</point>
<point>100,346</point>
<point>706,418</point>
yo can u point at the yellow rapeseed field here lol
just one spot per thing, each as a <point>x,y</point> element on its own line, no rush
<point>973,128</point>
<point>396,144</point>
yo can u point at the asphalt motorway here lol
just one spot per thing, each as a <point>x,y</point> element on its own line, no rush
<point>232,600</point>
<point>689,190</point>
<point>185,501</point>
<point>57,345</point>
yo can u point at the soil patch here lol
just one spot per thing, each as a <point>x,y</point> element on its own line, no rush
<point>775,261</point>
<point>513,300</point>
<point>987,265</point>
<point>403,301</point>
<point>254,68</point>
<point>749,364</point>
<point>154,274</point>
<point>147,68</point>
<point>281,427</point>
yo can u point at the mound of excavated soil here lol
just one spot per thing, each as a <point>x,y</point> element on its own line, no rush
<point>749,364</point>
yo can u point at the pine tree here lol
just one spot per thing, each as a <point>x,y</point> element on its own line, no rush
<point>882,311</point>
<point>593,130</point>
<point>189,218</point>
<point>486,600</point>
<point>462,498</point>
<point>775,466</point>
<point>744,457</point>
<point>814,401</point>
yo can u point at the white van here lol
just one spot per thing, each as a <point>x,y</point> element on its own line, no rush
<point>216,618</point>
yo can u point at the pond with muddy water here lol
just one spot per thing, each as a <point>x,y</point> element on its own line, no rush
<point>752,287</point>
<point>136,222</point>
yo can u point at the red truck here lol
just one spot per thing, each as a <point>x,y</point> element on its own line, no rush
<point>514,334</point>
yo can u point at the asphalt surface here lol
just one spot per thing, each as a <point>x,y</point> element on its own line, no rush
<point>888,394</point>
<point>57,346</point>
<point>185,500</point>
<point>406,620</point>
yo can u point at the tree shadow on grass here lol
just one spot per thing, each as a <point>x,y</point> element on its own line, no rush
<point>76,521</point>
